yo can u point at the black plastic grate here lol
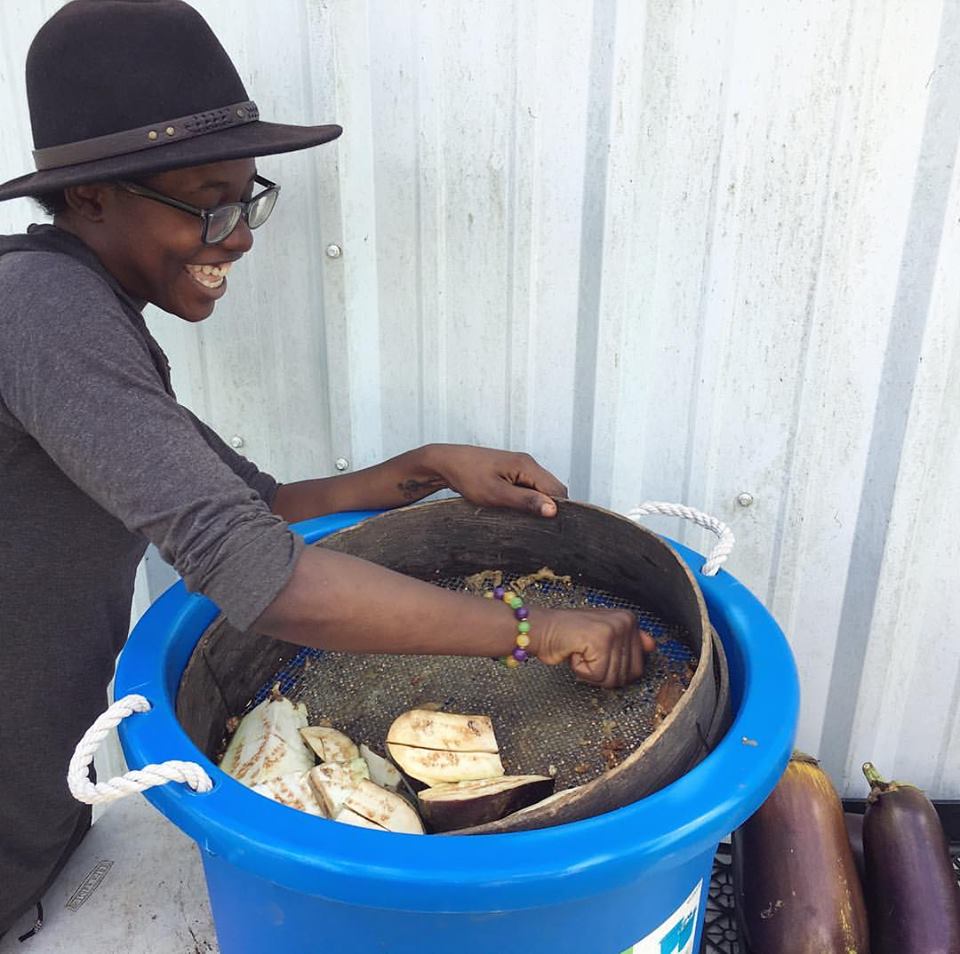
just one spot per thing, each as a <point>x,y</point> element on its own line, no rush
<point>720,934</point>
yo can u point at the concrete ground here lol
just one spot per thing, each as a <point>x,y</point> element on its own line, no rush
<point>135,886</point>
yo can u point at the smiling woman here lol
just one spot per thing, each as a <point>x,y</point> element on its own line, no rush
<point>149,236</point>
<point>146,146</point>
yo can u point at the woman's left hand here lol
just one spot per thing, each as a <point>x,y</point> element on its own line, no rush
<point>497,478</point>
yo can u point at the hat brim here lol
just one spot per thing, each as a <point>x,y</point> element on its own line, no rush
<point>239,142</point>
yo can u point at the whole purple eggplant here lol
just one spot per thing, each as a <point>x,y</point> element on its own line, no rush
<point>796,887</point>
<point>912,894</point>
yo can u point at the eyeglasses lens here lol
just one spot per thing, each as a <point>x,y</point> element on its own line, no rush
<point>261,208</point>
<point>221,222</point>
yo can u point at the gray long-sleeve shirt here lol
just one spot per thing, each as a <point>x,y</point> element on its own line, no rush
<point>96,459</point>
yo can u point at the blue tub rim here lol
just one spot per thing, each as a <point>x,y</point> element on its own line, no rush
<point>468,873</point>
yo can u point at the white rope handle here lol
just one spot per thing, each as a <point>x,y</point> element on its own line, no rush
<point>78,775</point>
<point>724,547</point>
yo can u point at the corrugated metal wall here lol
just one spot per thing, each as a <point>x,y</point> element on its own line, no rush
<point>678,250</point>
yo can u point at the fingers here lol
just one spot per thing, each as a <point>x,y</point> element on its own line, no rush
<point>494,478</point>
<point>530,500</point>
<point>502,493</point>
<point>526,472</point>
<point>615,653</point>
<point>647,641</point>
<point>530,474</point>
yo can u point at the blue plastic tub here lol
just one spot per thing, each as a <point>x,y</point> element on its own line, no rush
<point>635,879</point>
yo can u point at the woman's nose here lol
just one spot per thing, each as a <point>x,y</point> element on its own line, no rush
<point>240,239</point>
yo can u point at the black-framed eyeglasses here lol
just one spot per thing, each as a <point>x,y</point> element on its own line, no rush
<point>221,220</point>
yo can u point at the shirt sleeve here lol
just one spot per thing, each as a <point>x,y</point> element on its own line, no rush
<point>76,372</point>
<point>263,483</point>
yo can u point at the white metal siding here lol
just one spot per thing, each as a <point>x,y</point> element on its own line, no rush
<point>677,250</point>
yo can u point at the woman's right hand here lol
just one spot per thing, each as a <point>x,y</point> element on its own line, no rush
<point>604,647</point>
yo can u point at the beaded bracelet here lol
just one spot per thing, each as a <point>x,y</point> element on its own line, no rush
<point>521,613</point>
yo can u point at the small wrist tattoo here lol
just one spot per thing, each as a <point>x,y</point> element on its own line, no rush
<point>415,489</point>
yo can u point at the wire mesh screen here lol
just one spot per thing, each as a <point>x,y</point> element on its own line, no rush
<point>546,722</point>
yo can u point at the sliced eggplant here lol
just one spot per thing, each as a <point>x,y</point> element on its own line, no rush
<point>387,809</point>
<point>796,887</point>
<point>294,791</point>
<point>332,784</point>
<point>556,796</point>
<point>330,744</point>
<point>348,817</point>
<point>267,743</point>
<point>432,766</point>
<point>338,791</point>
<point>912,890</point>
<point>446,731</point>
<point>464,804</point>
<point>382,772</point>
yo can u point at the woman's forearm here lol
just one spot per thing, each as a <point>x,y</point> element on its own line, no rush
<point>404,479</point>
<point>338,602</point>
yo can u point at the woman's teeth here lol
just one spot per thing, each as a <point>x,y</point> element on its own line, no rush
<point>210,276</point>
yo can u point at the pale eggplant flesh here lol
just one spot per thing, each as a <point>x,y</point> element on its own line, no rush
<point>329,744</point>
<point>340,793</point>
<point>267,743</point>
<point>432,747</point>
<point>332,784</point>
<point>383,772</point>
<point>465,804</point>
<point>447,731</point>
<point>292,790</point>
<point>433,766</point>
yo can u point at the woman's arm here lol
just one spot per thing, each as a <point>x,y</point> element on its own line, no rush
<point>491,478</point>
<point>338,602</point>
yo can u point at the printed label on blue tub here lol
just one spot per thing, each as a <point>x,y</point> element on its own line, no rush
<point>675,935</point>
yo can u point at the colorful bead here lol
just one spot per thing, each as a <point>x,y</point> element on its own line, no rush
<point>519,654</point>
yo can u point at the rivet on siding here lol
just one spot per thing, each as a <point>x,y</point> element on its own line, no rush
<point>333,251</point>
<point>236,442</point>
<point>745,499</point>
<point>341,463</point>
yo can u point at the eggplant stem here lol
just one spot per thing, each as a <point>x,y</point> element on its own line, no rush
<point>874,778</point>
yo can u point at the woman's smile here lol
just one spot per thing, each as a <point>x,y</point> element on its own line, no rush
<point>210,276</point>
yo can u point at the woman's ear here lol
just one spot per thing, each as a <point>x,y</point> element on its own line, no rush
<point>87,201</point>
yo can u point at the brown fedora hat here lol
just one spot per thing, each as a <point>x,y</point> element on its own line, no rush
<point>125,88</point>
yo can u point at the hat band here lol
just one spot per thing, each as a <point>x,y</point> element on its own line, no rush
<point>146,137</point>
